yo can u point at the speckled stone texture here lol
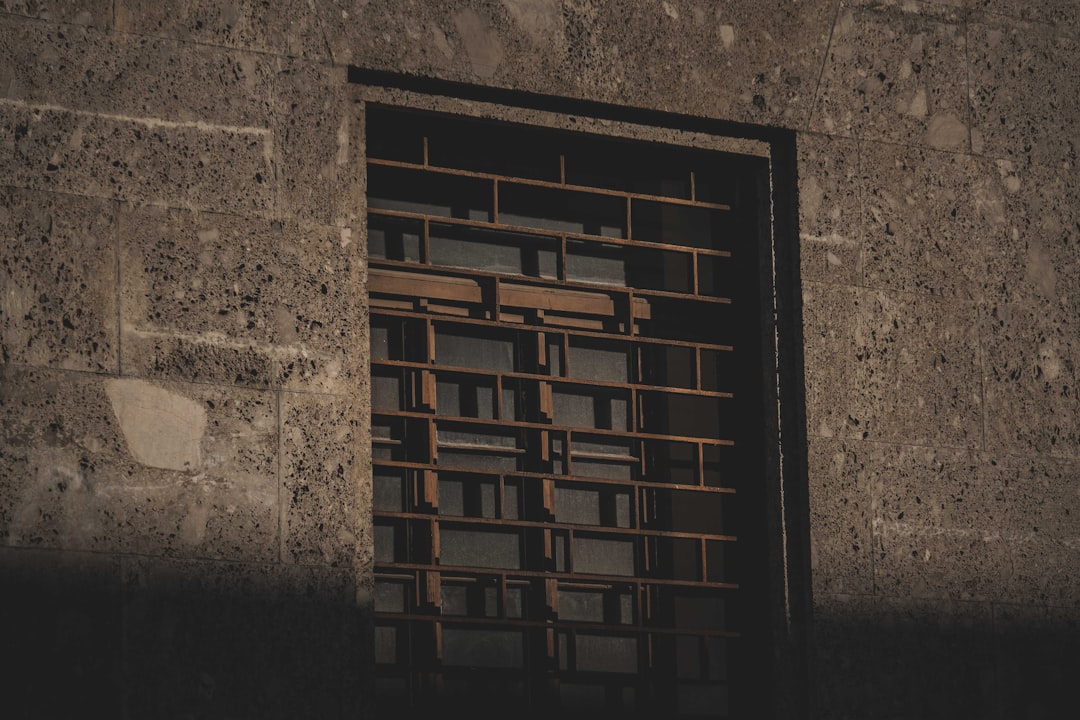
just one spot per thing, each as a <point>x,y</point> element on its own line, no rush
<point>58,281</point>
<point>896,73</point>
<point>121,465</point>
<point>184,418</point>
<point>218,298</point>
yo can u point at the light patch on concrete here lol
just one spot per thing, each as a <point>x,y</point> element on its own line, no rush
<point>1049,362</point>
<point>946,132</point>
<point>727,36</point>
<point>343,140</point>
<point>917,107</point>
<point>670,10</point>
<point>481,42</point>
<point>438,39</point>
<point>162,429</point>
<point>541,20</point>
<point>1040,269</point>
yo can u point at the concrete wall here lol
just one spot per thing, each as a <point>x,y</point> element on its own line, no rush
<point>184,504</point>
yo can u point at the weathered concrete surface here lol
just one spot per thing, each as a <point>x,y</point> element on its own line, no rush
<point>184,397</point>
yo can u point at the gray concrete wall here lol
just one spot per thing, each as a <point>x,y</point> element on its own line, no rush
<point>184,505</point>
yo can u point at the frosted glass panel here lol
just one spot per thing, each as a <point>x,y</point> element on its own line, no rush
<point>478,548</point>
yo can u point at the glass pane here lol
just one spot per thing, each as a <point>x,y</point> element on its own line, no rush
<point>577,506</point>
<point>582,605</point>
<point>394,238</point>
<point>483,648</point>
<point>428,193</point>
<point>660,270</point>
<point>479,548</point>
<point>388,493</point>
<point>598,360</point>
<point>603,557</point>
<point>494,251</point>
<point>675,224</point>
<point>562,210</point>
<point>601,410</point>
<point>597,263</point>
<point>484,353</point>
<point>385,644</point>
<point>390,596</point>
<point>385,391</point>
<point>598,653</point>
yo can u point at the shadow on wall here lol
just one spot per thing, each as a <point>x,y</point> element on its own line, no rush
<point>92,636</point>
<point>89,636</point>
<point>916,660</point>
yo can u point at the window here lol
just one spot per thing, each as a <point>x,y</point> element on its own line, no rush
<point>569,431</point>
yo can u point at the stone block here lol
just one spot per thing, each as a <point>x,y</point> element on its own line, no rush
<point>1044,571</point>
<point>1023,496</point>
<point>62,617</point>
<point>743,60</point>
<point>894,659</point>
<point>1062,14</point>
<point>1031,355</point>
<point>921,561</point>
<point>916,371</point>
<point>97,13</point>
<point>321,467</point>
<point>896,74</point>
<point>840,512</point>
<point>830,216</point>
<point>829,317</point>
<point>283,27</point>
<point>934,222</point>
<point>928,487</point>
<point>891,367</point>
<point>58,281</point>
<point>1023,78</point>
<point>124,465</point>
<point>224,299</point>
<point>151,162</point>
<point>125,75</point>
<point>208,639</point>
<point>318,139</point>
<point>1041,261</point>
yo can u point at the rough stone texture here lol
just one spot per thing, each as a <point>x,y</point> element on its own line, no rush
<point>1030,375</point>
<point>217,298</point>
<point>317,134</point>
<point>891,366</point>
<point>1041,262</point>
<point>319,473</point>
<point>145,161</point>
<point>1023,101</point>
<point>744,60</point>
<point>98,13</point>
<point>182,185</point>
<point>58,281</point>
<point>830,204</point>
<point>921,210</point>
<point>120,465</point>
<point>283,27</point>
<point>896,73</point>
<point>840,517</point>
<point>122,75</point>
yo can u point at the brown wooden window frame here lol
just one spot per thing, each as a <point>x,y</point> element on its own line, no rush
<point>579,503</point>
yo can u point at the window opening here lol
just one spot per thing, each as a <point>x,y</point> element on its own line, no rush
<point>567,420</point>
